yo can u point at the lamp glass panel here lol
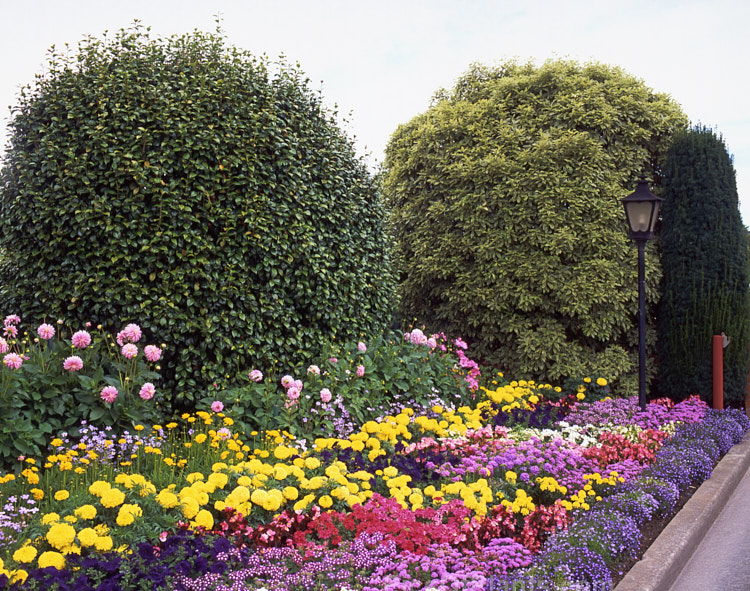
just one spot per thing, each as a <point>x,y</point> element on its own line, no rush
<point>639,215</point>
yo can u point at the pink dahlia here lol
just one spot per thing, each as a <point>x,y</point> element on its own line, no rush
<point>11,319</point>
<point>152,353</point>
<point>361,347</point>
<point>360,370</point>
<point>314,369</point>
<point>13,360</point>
<point>73,363</point>
<point>81,339</point>
<point>217,406</point>
<point>109,394</point>
<point>129,350</point>
<point>325,395</point>
<point>4,347</point>
<point>256,375</point>
<point>130,334</point>
<point>287,381</point>
<point>147,391</point>
<point>46,331</point>
<point>10,331</point>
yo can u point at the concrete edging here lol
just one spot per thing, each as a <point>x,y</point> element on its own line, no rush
<point>661,564</point>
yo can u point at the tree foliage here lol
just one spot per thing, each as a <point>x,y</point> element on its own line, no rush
<point>706,275</point>
<point>505,199</point>
<point>200,191</point>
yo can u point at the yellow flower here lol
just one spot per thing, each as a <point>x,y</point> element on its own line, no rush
<point>61,535</point>
<point>113,498</point>
<point>200,438</point>
<point>580,396</point>
<point>312,463</point>
<point>61,495</point>
<point>167,499</point>
<point>37,493</point>
<point>88,537</point>
<point>601,382</point>
<point>99,487</point>
<point>50,518</point>
<point>204,519</point>
<point>25,554</point>
<point>325,501</point>
<point>54,559</point>
<point>127,514</point>
<point>290,493</point>
<point>104,543</point>
<point>190,507</point>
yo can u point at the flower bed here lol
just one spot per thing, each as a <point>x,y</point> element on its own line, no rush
<point>521,486</point>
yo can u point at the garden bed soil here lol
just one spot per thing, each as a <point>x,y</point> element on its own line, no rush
<point>650,531</point>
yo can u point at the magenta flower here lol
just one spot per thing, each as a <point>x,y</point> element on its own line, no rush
<point>152,353</point>
<point>333,360</point>
<point>81,339</point>
<point>255,375</point>
<point>73,363</point>
<point>129,350</point>
<point>360,370</point>
<point>13,360</point>
<point>11,319</point>
<point>147,391</point>
<point>109,394</point>
<point>460,343</point>
<point>4,347</point>
<point>298,384</point>
<point>217,406</point>
<point>130,334</point>
<point>361,347</point>
<point>293,393</point>
<point>325,395</point>
<point>287,381</point>
<point>10,331</point>
<point>46,331</point>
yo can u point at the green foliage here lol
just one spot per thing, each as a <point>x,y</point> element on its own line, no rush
<point>183,183</point>
<point>40,398</point>
<point>506,207</point>
<point>706,273</point>
<point>364,380</point>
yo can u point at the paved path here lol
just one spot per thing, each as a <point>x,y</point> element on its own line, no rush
<point>722,560</point>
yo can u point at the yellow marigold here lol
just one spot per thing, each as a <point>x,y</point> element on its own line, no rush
<point>61,535</point>
<point>274,500</point>
<point>204,519</point>
<point>282,452</point>
<point>325,501</point>
<point>200,438</point>
<point>113,498</point>
<point>50,558</point>
<point>290,493</point>
<point>99,487</point>
<point>127,514</point>
<point>601,382</point>
<point>104,543</point>
<point>50,518</point>
<point>87,537</point>
<point>25,554</point>
<point>312,463</point>
<point>390,471</point>
<point>61,495</point>
<point>189,507</point>
<point>167,499</point>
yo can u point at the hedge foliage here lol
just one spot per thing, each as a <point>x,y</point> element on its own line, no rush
<point>506,206</point>
<point>197,190</point>
<point>706,287</point>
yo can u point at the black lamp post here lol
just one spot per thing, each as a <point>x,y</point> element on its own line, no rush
<point>642,211</point>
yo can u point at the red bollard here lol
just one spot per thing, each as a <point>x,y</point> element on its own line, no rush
<point>718,350</point>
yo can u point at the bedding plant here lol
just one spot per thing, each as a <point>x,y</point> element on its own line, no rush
<point>389,464</point>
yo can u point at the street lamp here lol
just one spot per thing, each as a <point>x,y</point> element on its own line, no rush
<point>641,211</point>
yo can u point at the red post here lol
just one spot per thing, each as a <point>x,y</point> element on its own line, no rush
<point>718,350</point>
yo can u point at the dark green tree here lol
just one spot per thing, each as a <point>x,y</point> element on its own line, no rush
<point>706,276</point>
<point>199,191</point>
<point>506,195</point>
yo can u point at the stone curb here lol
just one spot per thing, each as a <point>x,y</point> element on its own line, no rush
<point>670,552</point>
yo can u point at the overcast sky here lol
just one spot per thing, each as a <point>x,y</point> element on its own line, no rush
<point>380,61</point>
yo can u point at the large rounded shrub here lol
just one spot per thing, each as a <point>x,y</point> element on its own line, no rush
<point>197,190</point>
<point>506,205</point>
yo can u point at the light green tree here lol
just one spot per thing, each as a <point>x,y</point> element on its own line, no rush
<point>505,200</point>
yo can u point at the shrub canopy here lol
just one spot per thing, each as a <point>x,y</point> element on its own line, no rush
<point>706,286</point>
<point>197,190</point>
<point>506,205</point>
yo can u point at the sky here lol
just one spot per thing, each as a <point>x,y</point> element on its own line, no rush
<point>379,62</point>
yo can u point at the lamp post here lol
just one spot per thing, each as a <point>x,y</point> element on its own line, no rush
<point>641,211</point>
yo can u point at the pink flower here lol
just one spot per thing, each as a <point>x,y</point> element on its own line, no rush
<point>4,348</point>
<point>217,406</point>
<point>147,391</point>
<point>460,343</point>
<point>292,393</point>
<point>152,353</point>
<point>81,339</point>
<point>46,331</point>
<point>224,433</point>
<point>360,370</point>
<point>73,363</point>
<point>255,375</point>
<point>130,334</point>
<point>10,331</point>
<point>287,381</point>
<point>361,347</point>
<point>298,384</point>
<point>129,350</point>
<point>12,319</point>
<point>418,337</point>
<point>109,394</point>
<point>325,395</point>
<point>431,343</point>
<point>314,369</point>
<point>333,360</point>
<point>13,360</point>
